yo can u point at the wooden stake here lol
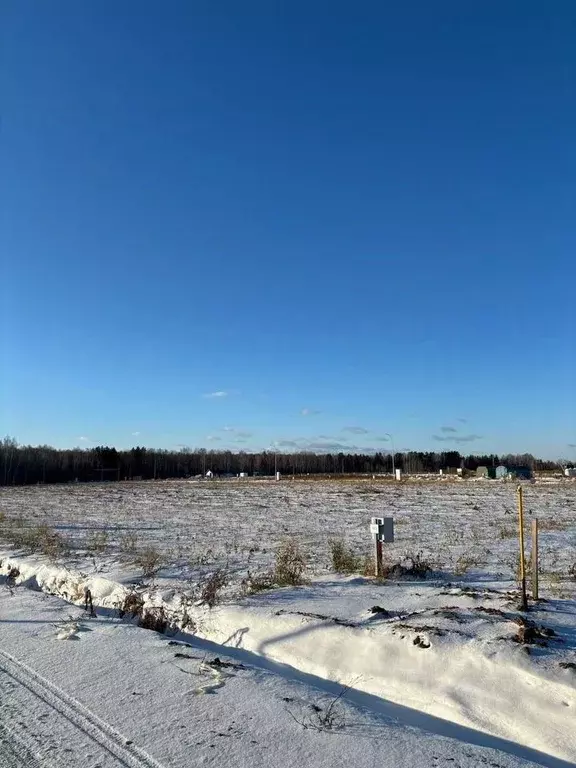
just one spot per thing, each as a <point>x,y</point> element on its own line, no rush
<point>377,557</point>
<point>534,559</point>
<point>524,603</point>
<point>88,602</point>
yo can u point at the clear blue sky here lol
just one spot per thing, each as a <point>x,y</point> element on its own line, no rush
<point>366,210</point>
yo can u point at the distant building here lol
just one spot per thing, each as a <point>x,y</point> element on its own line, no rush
<point>487,472</point>
<point>570,471</point>
<point>524,472</point>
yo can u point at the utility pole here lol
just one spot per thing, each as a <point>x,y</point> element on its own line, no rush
<point>387,434</point>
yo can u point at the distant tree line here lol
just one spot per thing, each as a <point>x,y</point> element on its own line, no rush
<point>26,465</point>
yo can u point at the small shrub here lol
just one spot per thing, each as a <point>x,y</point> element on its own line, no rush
<point>150,561</point>
<point>48,541</point>
<point>343,559</point>
<point>290,564</point>
<point>132,605</point>
<point>129,543</point>
<point>464,563</point>
<point>369,566</point>
<point>154,619</point>
<point>39,538</point>
<point>211,587</point>
<point>97,541</point>
<point>411,566</point>
<point>258,582</point>
<point>513,563</point>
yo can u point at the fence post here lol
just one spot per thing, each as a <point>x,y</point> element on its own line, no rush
<point>534,559</point>
<point>377,557</point>
<point>524,603</point>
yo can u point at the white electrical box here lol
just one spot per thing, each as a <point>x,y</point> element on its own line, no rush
<point>382,528</point>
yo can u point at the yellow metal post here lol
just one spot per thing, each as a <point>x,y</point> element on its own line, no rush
<point>524,604</point>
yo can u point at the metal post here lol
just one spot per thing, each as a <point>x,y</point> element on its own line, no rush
<point>524,603</point>
<point>387,434</point>
<point>534,559</point>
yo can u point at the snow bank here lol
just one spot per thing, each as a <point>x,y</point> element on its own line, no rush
<point>491,688</point>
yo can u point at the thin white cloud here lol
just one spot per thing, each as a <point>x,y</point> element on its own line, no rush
<point>135,434</point>
<point>456,438</point>
<point>356,430</point>
<point>467,438</point>
<point>228,429</point>
<point>84,439</point>
<point>213,437</point>
<point>330,447</point>
<point>213,395</point>
<point>309,412</point>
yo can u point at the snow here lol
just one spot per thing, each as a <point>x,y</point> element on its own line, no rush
<point>437,671</point>
<point>199,525</point>
<point>119,695</point>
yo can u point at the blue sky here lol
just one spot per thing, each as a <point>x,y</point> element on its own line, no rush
<point>349,219</point>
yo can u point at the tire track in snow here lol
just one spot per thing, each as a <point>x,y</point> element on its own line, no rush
<point>14,753</point>
<point>107,737</point>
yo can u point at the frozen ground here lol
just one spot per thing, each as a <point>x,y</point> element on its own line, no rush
<point>449,660</point>
<point>100,692</point>
<point>468,527</point>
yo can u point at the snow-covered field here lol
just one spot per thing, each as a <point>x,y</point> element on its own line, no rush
<point>468,527</point>
<point>438,671</point>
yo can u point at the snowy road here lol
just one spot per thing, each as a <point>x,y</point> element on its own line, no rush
<point>102,693</point>
<point>13,752</point>
<point>30,703</point>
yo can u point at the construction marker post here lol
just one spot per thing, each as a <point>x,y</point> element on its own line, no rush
<point>524,603</point>
<point>534,559</point>
<point>382,530</point>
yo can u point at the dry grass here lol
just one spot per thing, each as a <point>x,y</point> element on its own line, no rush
<point>289,568</point>
<point>154,619</point>
<point>258,582</point>
<point>132,606</point>
<point>411,566</point>
<point>128,544</point>
<point>34,539</point>
<point>211,587</point>
<point>150,561</point>
<point>343,559</point>
<point>97,541</point>
<point>465,562</point>
<point>289,565</point>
